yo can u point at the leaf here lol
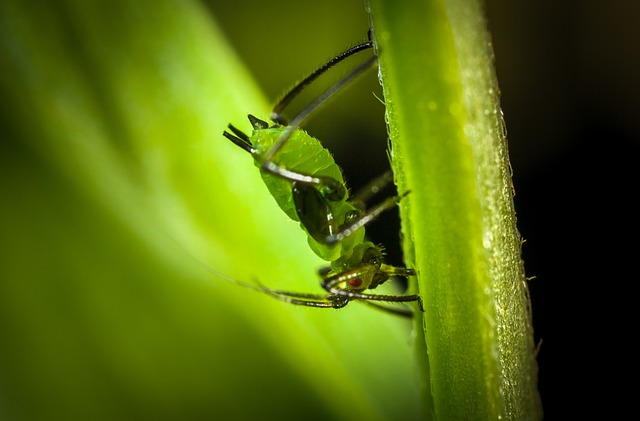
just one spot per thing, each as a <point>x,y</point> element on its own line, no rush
<point>123,205</point>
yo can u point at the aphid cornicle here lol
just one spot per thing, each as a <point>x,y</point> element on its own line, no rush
<point>309,187</point>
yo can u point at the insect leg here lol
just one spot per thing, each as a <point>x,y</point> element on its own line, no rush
<point>397,271</point>
<point>268,164</point>
<point>369,216</point>
<point>372,188</point>
<point>305,299</point>
<point>330,284</point>
<point>277,109</point>
<point>297,298</point>
<point>331,188</point>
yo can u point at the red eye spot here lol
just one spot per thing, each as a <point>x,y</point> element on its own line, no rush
<point>356,282</point>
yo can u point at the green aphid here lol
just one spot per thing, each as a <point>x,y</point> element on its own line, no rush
<point>309,187</point>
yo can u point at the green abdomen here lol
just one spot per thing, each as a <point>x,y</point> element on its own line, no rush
<point>303,154</point>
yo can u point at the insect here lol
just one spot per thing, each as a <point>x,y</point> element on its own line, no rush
<point>309,187</point>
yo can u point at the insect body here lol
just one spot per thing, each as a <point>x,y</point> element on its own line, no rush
<point>309,187</point>
<point>321,211</point>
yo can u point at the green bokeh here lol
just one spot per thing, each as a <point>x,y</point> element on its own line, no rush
<point>119,196</point>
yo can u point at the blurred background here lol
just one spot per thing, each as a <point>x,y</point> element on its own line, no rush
<point>568,72</point>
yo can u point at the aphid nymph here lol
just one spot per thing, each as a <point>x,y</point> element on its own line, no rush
<point>309,187</point>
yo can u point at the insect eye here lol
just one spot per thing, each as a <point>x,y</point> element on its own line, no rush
<point>355,282</point>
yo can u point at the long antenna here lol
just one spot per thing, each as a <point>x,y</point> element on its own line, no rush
<point>276,115</point>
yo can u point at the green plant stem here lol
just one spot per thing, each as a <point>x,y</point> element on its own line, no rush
<point>449,149</point>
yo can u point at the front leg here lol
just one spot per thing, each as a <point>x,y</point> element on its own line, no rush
<point>348,284</point>
<point>358,222</point>
<point>306,299</point>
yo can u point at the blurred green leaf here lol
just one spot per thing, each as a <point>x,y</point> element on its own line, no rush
<point>118,192</point>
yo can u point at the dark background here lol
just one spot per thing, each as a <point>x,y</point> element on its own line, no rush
<point>568,72</point>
